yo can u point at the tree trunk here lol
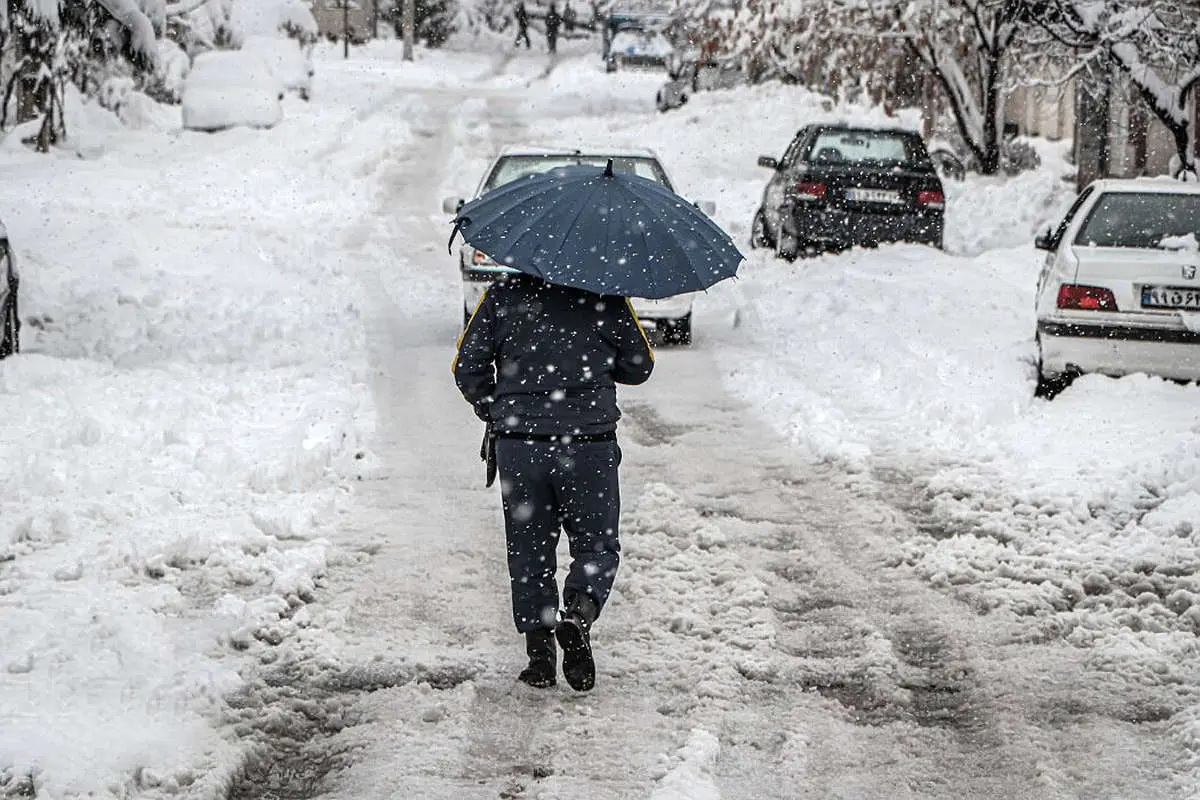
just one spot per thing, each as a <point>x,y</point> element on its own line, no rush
<point>990,163</point>
<point>1091,129</point>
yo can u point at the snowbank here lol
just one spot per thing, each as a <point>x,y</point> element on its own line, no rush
<point>184,426</point>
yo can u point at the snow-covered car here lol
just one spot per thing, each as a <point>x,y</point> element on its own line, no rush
<point>671,317</point>
<point>634,46</point>
<point>690,76</point>
<point>229,89</point>
<point>1119,291</point>
<point>10,323</point>
<point>290,61</point>
<point>844,185</point>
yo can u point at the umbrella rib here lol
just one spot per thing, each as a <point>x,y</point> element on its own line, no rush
<point>712,236</point>
<point>662,221</point>
<point>570,226</point>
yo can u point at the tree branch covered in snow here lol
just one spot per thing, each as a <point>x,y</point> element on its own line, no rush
<point>1156,43</point>
<point>79,42</point>
<point>963,44</point>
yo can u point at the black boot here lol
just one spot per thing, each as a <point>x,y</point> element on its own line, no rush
<point>572,633</point>
<point>539,646</point>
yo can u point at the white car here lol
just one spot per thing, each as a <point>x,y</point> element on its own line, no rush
<point>229,89</point>
<point>287,58</point>
<point>10,322</point>
<point>671,317</point>
<point>1119,292</point>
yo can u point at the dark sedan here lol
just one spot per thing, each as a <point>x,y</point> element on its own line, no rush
<point>838,186</point>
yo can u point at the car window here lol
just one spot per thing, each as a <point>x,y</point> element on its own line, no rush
<point>1140,219</point>
<point>1070,215</point>
<point>792,154</point>
<point>510,168</point>
<point>888,148</point>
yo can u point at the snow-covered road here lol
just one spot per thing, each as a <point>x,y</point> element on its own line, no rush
<point>245,481</point>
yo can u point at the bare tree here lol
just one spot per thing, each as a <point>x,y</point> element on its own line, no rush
<point>965,45</point>
<point>1156,43</point>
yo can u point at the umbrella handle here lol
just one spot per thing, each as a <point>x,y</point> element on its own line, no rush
<point>459,224</point>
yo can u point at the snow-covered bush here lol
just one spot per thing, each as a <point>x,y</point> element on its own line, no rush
<point>272,17</point>
<point>166,84</point>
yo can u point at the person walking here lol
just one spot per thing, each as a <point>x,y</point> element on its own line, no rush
<point>568,18</point>
<point>553,20</point>
<point>522,18</point>
<point>539,363</point>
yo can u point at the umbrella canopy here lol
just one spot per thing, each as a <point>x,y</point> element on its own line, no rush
<point>604,232</point>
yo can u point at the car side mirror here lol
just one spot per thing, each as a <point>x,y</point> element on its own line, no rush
<point>451,205</point>
<point>770,162</point>
<point>707,206</point>
<point>1045,241</point>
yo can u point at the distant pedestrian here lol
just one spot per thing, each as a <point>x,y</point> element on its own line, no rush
<point>553,20</point>
<point>568,18</point>
<point>540,364</point>
<point>522,18</point>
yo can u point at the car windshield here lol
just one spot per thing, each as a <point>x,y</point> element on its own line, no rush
<point>1140,219</point>
<point>868,147</point>
<point>510,168</point>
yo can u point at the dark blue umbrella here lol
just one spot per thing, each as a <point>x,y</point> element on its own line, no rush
<point>605,232</point>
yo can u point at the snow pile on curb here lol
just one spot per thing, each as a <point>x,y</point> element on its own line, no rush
<point>183,427</point>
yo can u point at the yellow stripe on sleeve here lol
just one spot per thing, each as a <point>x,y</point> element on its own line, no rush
<point>463,335</point>
<point>638,322</point>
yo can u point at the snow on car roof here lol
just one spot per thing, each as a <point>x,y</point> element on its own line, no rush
<point>1161,184</point>
<point>530,150</point>
<point>866,125</point>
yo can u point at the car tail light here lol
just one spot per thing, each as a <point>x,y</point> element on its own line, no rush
<point>1086,298</point>
<point>810,191</point>
<point>931,199</point>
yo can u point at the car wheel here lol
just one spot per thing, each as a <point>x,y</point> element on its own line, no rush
<point>678,331</point>
<point>787,247</point>
<point>760,236</point>
<point>1051,384</point>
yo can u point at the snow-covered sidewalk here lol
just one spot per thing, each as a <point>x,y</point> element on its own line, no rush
<point>179,433</point>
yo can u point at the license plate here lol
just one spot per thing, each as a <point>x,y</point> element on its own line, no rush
<point>1170,297</point>
<point>873,196</point>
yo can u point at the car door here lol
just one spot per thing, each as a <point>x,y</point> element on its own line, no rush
<point>781,179</point>
<point>1052,243</point>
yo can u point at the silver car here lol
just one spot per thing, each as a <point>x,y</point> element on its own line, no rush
<point>671,317</point>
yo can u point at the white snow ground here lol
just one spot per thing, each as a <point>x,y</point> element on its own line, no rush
<point>244,541</point>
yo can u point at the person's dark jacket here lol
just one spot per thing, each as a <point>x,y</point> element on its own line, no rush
<point>552,22</point>
<point>543,359</point>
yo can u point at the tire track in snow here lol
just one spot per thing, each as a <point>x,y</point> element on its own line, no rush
<point>870,683</point>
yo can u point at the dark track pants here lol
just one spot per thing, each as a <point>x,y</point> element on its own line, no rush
<point>548,487</point>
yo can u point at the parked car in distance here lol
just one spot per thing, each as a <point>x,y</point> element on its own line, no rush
<point>671,317</point>
<point>1119,290</point>
<point>637,47</point>
<point>690,76</point>
<point>839,185</point>
<point>229,89</point>
<point>10,322</point>
<point>290,61</point>
<point>634,34</point>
